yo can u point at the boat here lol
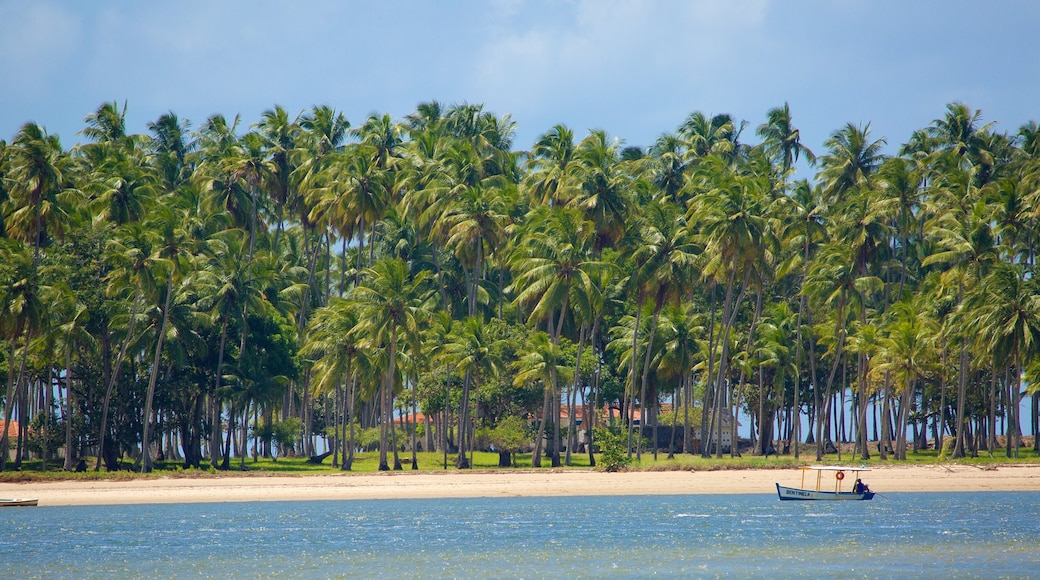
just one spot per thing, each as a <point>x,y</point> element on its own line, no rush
<point>823,490</point>
<point>25,502</point>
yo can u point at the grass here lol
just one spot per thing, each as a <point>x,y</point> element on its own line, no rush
<point>483,461</point>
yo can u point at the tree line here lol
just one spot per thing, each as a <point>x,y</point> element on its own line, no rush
<point>202,294</point>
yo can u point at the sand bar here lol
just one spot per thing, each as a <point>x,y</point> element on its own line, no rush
<point>521,483</point>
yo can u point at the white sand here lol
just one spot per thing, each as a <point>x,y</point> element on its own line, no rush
<point>396,485</point>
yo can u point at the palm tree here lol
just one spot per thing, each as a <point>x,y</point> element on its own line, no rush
<point>172,256</point>
<point>551,261</point>
<point>280,136</point>
<point>71,326</point>
<point>233,288</point>
<point>603,195</point>
<point>36,165</point>
<point>332,347</point>
<point>730,213</point>
<point>707,135</point>
<point>391,304</point>
<point>551,177</point>
<point>851,160</point>
<point>544,361</point>
<point>901,182</point>
<point>680,328</point>
<point>22,314</point>
<point>1005,309</point>
<point>664,257</point>
<point>171,148</point>
<point>960,133</point>
<point>471,351</point>
<point>965,248</point>
<point>35,171</point>
<point>907,351</point>
<point>130,256</point>
<point>831,282</point>
<point>325,129</point>
<point>107,124</point>
<point>781,140</point>
<point>475,224</point>
<point>802,231</point>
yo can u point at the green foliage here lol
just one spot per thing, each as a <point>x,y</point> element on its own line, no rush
<point>46,443</point>
<point>367,439</point>
<point>510,434</point>
<point>613,449</point>
<point>286,433</point>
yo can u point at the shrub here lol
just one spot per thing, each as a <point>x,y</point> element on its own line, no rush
<point>613,449</point>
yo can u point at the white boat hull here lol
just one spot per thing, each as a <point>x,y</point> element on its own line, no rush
<point>797,494</point>
<point>19,502</point>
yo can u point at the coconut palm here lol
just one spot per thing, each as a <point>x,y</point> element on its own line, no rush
<point>603,194</point>
<point>172,256</point>
<point>730,214</point>
<point>965,249</point>
<point>281,140</point>
<point>391,307</point>
<point>851,160</point>
<point>681,327</point>
<point>542,361</point>
<point>232,288</point>
<point>908,355</point>
<point>171,147</point>
<point>706,135</point>
<point>959,131</point>
<point>22,316</point>
<point>551,261</point>
<point>665,254</point>
<point>470,349</point>
<point>550,178</point>
<point>781,140</point>
<point>72,334</point>
<point>130,256</point>
<point>1005,309</point>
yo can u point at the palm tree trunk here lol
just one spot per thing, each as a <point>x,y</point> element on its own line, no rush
<point>962,393</point>
<point>69,405</point>
<point>536,457</point>
<point>632,382</point>
<point>8,409</point>
<point>729,311</point>
<point>415,426</point>
<point>571,424</point>
<point>348,456</point>
<point>658,304</point>
<point>708,390</point>
<point>146,455</point>
<point>461,461</point>
<point>886,436</point>
<point>595,397</point>
<point>115,375</point>
<point>214,401</point>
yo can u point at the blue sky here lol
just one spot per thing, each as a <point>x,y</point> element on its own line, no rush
<point>633,68</point>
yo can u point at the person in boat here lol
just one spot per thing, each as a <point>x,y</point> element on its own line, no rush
<point>860,487</point>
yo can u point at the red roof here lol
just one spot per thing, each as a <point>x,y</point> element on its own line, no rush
<point>12,432</point>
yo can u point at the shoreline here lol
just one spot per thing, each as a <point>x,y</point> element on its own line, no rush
<point>524,483</point>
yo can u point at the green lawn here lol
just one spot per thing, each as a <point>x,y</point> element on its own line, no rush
<point>482,461</point>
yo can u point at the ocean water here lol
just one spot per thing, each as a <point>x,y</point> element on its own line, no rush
<point>898,535</point>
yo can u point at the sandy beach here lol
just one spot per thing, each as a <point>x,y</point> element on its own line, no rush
<point>402,485</point>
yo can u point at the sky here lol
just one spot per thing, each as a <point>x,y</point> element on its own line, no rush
<point>635,69</point>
